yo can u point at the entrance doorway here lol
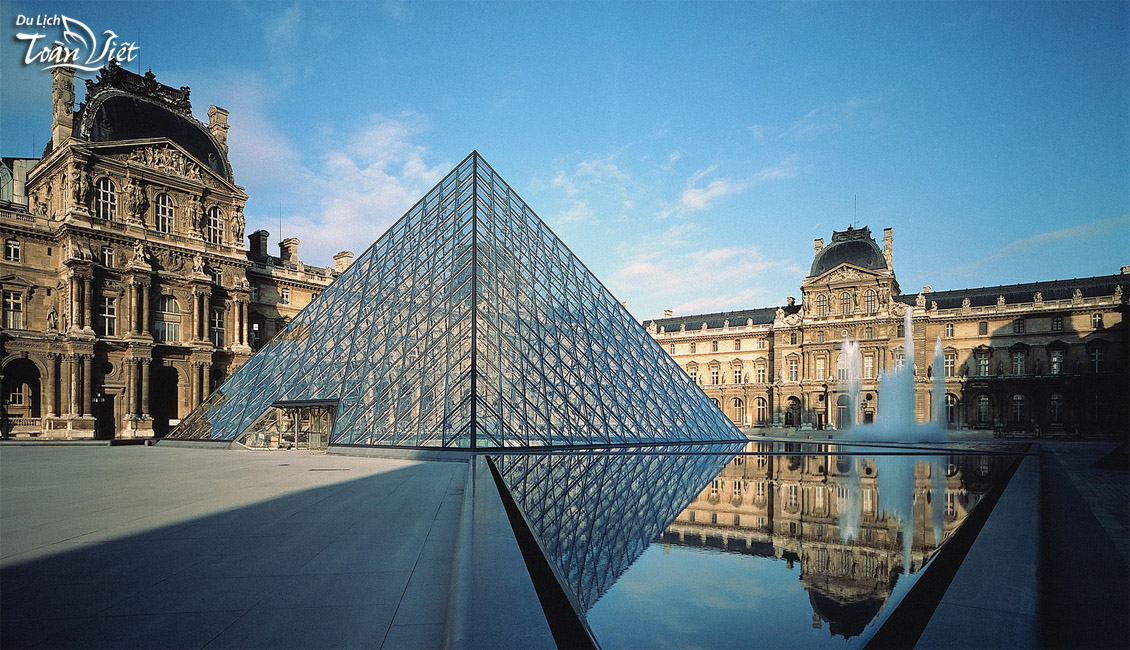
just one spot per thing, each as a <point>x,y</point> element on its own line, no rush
<point>164,399</point>
<point>105,425</point>
<point>292,425</point>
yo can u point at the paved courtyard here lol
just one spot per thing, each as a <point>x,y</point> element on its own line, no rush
<point>159,547</point>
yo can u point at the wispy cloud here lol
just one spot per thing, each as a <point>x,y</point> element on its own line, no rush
<point>1038,242</point>
<point>824,119</point>
<point>670,270</point>
<point>701,194</point>
<point>591,178</point>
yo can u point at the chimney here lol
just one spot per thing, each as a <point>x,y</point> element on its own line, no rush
<point>258,250</point>
<point>792,301</point>
<point>668,313</point>
<point>62,104</point>
<point>818,244</point>
<point>218,125</point>
<point>926,288</point>
<point>288,250</point>
<point>889,247</point>
<point>342,261</point>
<point>1124,270</point>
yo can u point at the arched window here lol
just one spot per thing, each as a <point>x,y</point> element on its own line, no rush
<point>105,199</point>
<point>871,301</point>
<point>671,349</point>
<point>820,337</point>
<point>869,333</point>
<point>739,411</point>
<point>165,214</point>
<point>821,306</point>
<point>1019,409</point>
<point>166,326</point>
<point>792,338</point>
<point>215,226</point>
<point>1055,409</point>
<point>900,331</point>
<point>845,304</point>
<point>762,410</point>
<point>714,346</point>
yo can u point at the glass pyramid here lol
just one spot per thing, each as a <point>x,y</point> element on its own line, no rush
<point>469,325</point>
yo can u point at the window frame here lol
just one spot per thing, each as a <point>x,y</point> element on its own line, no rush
<point>106,199</point>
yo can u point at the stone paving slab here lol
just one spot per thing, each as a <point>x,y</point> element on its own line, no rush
<point>174,547</point>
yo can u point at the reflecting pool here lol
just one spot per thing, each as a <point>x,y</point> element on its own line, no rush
<point>768,544</point>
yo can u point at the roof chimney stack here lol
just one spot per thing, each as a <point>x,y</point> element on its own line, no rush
<point>667,313</point>
<point>342,261</point>
<point>62,104</point>
<point>258,250</point>
<point>288,250</point>
<point>818,244</point>
<point>889,247</point>
<point>218,125</point>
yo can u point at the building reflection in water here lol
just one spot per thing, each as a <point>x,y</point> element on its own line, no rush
<point>855,523</point>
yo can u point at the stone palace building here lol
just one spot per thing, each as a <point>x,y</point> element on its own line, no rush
<point>1039,357</point>
<point>128,291</point>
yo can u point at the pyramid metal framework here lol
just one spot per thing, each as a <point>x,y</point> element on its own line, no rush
<point>469,325</point>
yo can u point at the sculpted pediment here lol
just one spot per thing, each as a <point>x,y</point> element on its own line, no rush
<point>167,157</point>
<point>844,273</point>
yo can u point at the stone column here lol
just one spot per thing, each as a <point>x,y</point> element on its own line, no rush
<point>205,379</point>
<point>194,385</point>
<point>131,387</point>
<point>88,302</point>
<point>87,383</point>
<point>73,289</point>
<point>244,308</point>
<point>72,382</point>
<point>49,385</point>
<point>204,314</point>
<point>145,387</point>
<point>143,289</point>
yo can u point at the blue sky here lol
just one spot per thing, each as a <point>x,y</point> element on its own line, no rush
<point>688,153</point>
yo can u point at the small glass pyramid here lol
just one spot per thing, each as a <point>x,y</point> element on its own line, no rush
<point>467,325</point>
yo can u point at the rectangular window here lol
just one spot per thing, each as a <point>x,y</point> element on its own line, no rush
<point>1057,323</point>
<point>714,376</point>
<point>1097,360</point>
<point>761,374</point>
<point>982,364</point>
<point>900,358</point>
<point>761,344</point>
<point>671,349</point>
<point>714,346</point>
<point>1018,363</point>
<point>949,329</point>
<point>108,316</point>
<point>737,375</point>
<point>737,344</point>
<point>983,328</point>
<point>693,372</point>
<point>217,329</point>
<point>819,369</point>
<point>13,310</point>
<point>284,297</point>
<point>869,367</point>
<point>1018,326</point>
<point>1056,360</point>
<point>12,250</point>
<point>792,496</point>
<point>761,489</point>
<point>792,370</point>
<point>108,256</point>
<point>254,293</point>
<point>950,361</point>
<point>164,213</point>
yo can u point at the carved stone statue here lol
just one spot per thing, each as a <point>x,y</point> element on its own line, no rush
<point>80,185</point>
<point>194,214</point>
<point>238,224</point>
<point>139,255</point>
<point>1077,294</point>
<point>1000,301</point>
<point>198,265</point>
<point>1118,293</point>
<point>933,305</point>
<point>52,319</point>
<point>780,312</point>
<point>965,303</point>
<point>920,301</point>
<point>1039,297</point>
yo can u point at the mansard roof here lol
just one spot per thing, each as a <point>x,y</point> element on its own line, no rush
<point>762,316</point>
<point>1102,285</point>
<point>852,246</point>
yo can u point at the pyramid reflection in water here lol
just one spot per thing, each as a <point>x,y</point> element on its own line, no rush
<point>468,324</point>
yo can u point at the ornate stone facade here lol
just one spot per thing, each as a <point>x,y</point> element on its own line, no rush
<point>1039,357</point>
<point>128,291</point>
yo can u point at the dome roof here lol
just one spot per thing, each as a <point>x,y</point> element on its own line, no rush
<point>852,246</point>
<point>125,106</point>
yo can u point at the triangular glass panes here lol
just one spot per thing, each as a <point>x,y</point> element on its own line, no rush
<point>469,324</point>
